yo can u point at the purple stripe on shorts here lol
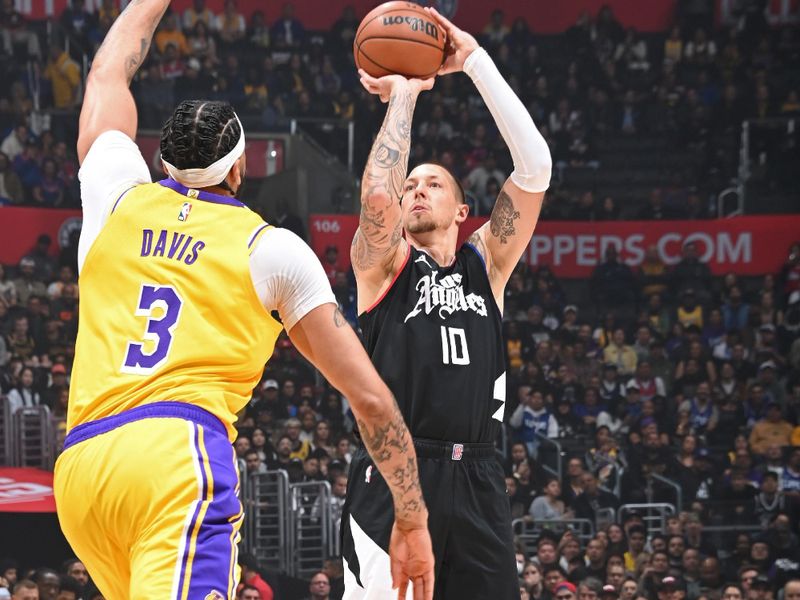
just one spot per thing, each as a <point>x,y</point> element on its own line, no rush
<point>193,523</point>
<point>218,535</point>
<point>165,409</point>
<point>255,235</point>
<point>201,195</point>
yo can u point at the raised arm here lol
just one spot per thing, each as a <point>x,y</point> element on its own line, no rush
<point>503,240</point>
<point>324,337</point>
<point>378,246</point>
<point>108,104</point>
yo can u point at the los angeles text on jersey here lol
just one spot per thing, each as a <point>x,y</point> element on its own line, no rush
<point>447,295</point>
<point>171,244</point>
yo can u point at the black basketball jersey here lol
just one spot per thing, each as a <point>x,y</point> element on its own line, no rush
<point>436,340</point>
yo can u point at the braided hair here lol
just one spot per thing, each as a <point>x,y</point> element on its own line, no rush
<point>199,133</point>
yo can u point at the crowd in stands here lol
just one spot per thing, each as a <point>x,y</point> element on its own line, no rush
<point>691,87</point>
<point>641,375</point>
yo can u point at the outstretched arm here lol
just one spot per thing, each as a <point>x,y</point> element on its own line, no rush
<point>374,252</point>
<point>108,104</point>
<point>503,240</point>
<point>325,338</point>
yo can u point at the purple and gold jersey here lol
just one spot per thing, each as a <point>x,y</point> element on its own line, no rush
<point>168,310</point>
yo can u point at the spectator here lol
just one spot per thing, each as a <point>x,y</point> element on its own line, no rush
<point>231,24</point>
<point>288,32</point>
<point>735,312</point>
<point>198,13</point>
<point>15,142</point>
<point>251,576</point>
<point>496,31</point>
<point>692,274</point>
<point>64,76</point>
<point>613,284</point>
<point>548,507</point>
<point>11,191</point>
<point>201,43</point>
<point>620,354</point>
<point>320,587</point>
<point>564,591</point>
<point>703,415</point>
<point>592,498</point>
<point>248,592</point>
<point>772,429</point>
<point>19,341</point>
<point>25,589</point>
<point>531,418</point>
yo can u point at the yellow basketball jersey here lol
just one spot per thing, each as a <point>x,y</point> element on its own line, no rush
<point>168,310</point>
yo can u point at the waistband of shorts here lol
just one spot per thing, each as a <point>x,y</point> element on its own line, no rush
<point>165,409</point>
<point>453,450</point>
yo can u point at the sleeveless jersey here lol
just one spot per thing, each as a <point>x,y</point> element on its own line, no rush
<point>168,310</point>
<point>435,338</point>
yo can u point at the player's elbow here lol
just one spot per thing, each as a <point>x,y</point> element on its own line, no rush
<point>372,404</point>
<point>375,197</point>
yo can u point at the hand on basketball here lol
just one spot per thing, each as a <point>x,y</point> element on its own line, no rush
<point>459,46</point>
<point>411,554</point>
<point>383,87</point>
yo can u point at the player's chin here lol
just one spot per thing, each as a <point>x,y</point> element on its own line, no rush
<point>420,223</point>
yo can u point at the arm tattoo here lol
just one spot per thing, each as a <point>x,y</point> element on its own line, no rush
<point>382,184</point>
<point>338,318</point>
<point>134,61</point>
<point>388,443</point>
<point>119,49</point>
<point>504,214</point>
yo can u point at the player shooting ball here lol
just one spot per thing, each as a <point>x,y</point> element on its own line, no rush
<point>431,316</point>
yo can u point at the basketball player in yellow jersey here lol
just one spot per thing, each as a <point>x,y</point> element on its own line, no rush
<point>178,280</point>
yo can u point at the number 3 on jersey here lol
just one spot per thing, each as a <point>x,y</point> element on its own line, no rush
<point>162,307</point>
<point>454,346</point>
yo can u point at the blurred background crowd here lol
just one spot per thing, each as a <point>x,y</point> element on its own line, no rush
<point>652,429</point>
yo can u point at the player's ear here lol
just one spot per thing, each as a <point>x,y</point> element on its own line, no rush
<point>462,212</point>
<point>236,175</point>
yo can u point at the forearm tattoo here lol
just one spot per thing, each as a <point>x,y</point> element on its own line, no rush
<point>382,184</point>
<point>388,444</point>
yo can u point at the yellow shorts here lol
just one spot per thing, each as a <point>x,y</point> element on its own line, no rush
<point>148,499</point>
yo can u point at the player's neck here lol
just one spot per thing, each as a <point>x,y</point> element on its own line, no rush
<point>219,191</point>
<point>441,248</point>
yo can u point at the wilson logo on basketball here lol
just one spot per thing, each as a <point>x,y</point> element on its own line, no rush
<point>416,24</point>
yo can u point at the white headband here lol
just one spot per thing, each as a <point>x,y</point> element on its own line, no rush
<point>214,173</point>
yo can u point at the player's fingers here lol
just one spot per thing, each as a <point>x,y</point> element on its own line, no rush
<point>428,580</point>
<point>418,588</point>
<point>401,589</point>
<point>442,21</point>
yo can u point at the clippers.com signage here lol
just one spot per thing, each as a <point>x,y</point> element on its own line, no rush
<point>746,245</point>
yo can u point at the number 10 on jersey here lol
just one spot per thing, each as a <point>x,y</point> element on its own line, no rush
<point>454,346</point>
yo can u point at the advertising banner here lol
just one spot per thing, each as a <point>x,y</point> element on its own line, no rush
<point>572,249</point>
<point>20,226</point>
<point>26,490</point>
<point>472,15</point>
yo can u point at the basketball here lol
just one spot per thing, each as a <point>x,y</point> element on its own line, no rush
<point>401,38</point>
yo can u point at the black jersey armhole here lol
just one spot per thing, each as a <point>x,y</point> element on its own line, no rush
<point>382,297</point>
<point>486,274</point>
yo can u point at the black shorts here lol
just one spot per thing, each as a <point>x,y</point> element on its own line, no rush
<point>469,521</point>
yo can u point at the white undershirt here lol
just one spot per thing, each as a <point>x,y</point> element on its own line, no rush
<point>286,274</point>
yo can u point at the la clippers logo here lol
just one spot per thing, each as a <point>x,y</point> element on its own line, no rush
<point>185,210</point>
<point>446,295</point>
